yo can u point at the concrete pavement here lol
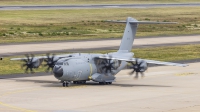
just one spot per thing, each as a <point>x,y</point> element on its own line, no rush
<point>164,89</point>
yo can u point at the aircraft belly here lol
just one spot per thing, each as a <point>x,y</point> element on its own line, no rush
<point>97,77</point>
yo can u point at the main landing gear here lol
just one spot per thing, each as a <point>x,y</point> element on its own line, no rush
<point>105,83</point>
<point>79,82</point>
<point>66,84</point>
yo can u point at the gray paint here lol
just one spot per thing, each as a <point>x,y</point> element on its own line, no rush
<point>129,35</point>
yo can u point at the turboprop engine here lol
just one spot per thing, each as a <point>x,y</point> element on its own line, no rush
<point>107,66</point>
<point>50,61</point>
<point>31,62</point>
<point>140,66</point>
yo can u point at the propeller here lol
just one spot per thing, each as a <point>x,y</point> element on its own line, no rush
<point>140,66</point>
<point>50,62</point>
<point>28,63</point>
<point>107,66</point>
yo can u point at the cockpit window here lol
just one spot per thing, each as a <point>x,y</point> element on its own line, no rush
<point>66,63</point>
<point>59,63</point>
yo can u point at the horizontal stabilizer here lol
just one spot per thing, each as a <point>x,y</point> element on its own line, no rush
<point>141,22</point>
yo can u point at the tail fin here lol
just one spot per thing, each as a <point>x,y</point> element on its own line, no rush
<point>130,31</point>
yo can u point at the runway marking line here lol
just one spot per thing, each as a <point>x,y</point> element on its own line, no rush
<point>185,74</point>
<point>14,107</point>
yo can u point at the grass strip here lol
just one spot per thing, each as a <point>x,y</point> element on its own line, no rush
<point>82,24</point>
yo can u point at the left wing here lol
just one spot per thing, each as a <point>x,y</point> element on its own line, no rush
<point>41,57</point>
<point>148,61</point>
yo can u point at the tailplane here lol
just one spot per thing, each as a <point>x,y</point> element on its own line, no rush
<point>130,31</point>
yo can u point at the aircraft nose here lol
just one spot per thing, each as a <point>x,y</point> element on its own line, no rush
<point>58,71</point>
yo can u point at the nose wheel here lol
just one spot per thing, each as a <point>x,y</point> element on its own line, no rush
<point>66,84</point>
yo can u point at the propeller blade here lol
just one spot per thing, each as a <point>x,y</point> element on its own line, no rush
<point>47,55</point>
<point>23,65</point>
<point>50,61</point>
<point>110,69</point>
<point>131,73</point>
<point>47,70</point>
<point>140,66</point>
<point>32,56</point>
<point>136,61</point>
<point>136,76</point>
<point>24,60</point>
<point>26,70</point>
<point>142,74</point>
<point>31,69</point>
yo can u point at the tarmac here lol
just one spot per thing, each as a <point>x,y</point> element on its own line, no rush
<point>163,89</point>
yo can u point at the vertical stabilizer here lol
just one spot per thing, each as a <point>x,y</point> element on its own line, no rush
<point>129,34</point>
<point>130,31</point>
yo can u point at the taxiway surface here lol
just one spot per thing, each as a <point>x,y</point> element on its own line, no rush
<point>80,46</point>
<point>50,7</point>
<point>164,89</point>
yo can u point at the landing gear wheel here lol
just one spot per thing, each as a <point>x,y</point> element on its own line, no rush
<point>110,82</point>
<point>75,82</point>
<point>65,84</point>
<point>103,83</point>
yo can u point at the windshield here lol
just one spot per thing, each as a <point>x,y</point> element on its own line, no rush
<point>59,63</point>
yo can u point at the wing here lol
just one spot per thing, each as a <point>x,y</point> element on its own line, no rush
<point>41,57</point>
<point>148,61</point>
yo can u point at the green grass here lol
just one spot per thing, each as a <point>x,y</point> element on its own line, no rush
<point>174,53</point>
<point>52,25</point>
<point>70,2</point>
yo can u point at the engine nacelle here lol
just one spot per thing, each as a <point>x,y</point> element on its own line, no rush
<point>36,62</point>
<point>116,63</point>
<point>107,66</point>
<point>142,65</point>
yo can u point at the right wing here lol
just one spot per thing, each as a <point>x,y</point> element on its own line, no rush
<point>148,61</point>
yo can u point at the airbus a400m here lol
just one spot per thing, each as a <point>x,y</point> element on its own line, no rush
<point>102,68</point>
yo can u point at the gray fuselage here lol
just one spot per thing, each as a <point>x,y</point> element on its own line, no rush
<point>82,66</point>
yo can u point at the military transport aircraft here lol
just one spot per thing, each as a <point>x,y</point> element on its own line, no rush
<point>102,68</point>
